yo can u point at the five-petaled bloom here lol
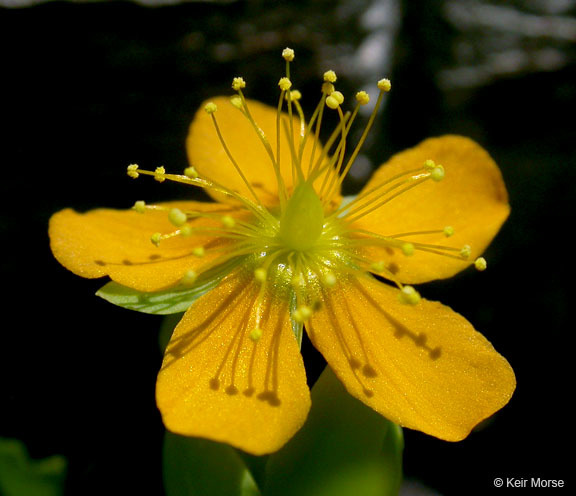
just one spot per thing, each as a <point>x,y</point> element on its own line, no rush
<point>280,252</point>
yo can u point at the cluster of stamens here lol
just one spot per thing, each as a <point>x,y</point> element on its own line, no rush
<point>305,245</point>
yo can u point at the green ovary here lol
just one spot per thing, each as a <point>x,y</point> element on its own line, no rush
<point>303,219</point>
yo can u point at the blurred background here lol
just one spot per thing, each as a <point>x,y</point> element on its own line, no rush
<point>90,87</point>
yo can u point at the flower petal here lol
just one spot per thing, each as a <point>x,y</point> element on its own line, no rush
<point>471,198</point>
<point>423,366</point>
<point>117,243</point>
<point>209,157</point>
<point>217,383</point>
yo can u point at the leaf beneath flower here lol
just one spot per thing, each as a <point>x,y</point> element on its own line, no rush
<point>344,448</point>
<point>166,302</point>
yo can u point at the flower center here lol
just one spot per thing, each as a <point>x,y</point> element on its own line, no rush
<point>302,221</point>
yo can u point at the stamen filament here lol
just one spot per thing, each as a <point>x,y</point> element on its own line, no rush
<point>414,181</point>
<point>234,163</point>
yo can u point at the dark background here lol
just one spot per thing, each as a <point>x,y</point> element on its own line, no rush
<point>90,88</point>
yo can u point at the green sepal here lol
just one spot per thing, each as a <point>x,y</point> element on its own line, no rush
<point>199,467</point>
<point>345,448</point>
<point>174,300</point>
<point>20,475</point>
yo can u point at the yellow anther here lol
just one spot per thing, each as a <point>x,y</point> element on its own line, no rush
<point>189,278</point>
<point>159,174</point>
<point>332,102</point>
<point>238,83</point>
<point>362,98</point>
<point>480,264</point>
<point>378,266</point>
<point>302,313</point>
<point>327,88</point>
<point>466,251</point>
<point>156,238</point>
<point>408,249</point>
<point>191,172</point>
<point>236,101</point>
<point>448,231</point>
<point>210,107</point>
<point>228,221</point>
<point>186,231</point>
<point>429,164</point>
<point>338,96</point>
<point>255,334</point>
<point>298,281</point>
<point>288,54</point>
<point>199,251</point>
<point>132,171</point>
<point>294,95</point>
<point>437,173</point>
<point>140,207</point>
<point>260,274</point>
<point>384,85</point>
<point>177,217</point>
<point>329,279</point>
<point>409,295</point>
<point>285,84</point>
<point>330,76</point>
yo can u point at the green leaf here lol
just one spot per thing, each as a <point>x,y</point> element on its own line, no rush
<point>344,449</point>
<point>199,467</point>
<point>174,300</point>
<point>22,476</point>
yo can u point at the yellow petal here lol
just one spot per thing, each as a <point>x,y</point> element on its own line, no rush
<point>471,198</point>
<point>219,384</point>
<point>117,243</point>
<point>208,156</point>
<point>423,366</point>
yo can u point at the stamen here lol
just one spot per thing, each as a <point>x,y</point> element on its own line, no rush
<point>228,153</point>
<point>362,98</point>
<point>353,215</point>
<point>437,173</point>
<point>288,54</point>
<point>465,252</point>
<point>302,313</point>
<point>132,171</point>
<point>329,279</point>
<point>285,84</point>
<point>189,278</point>
<point>140,207</point>
<point>228,221</point>
<point>238,83</point>
<point>186,231</point>
<point>480,264</point>
<point>379,266</point>
<point>294,95</point>
<point>255,334</point>
<point>177,217</point>
<point>384,85</point>
<point>156,238</point>
<point>159,174</point>
<point>236,101</point>
<point>330,76</point>
<point>409,295</point>
<point>408,249</point>
<point>260,274</point>
<point>198,251</point>
<point>191,172</point>
<point>335,100</point>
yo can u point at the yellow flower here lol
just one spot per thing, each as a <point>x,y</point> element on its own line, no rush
<point>286,253</point>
